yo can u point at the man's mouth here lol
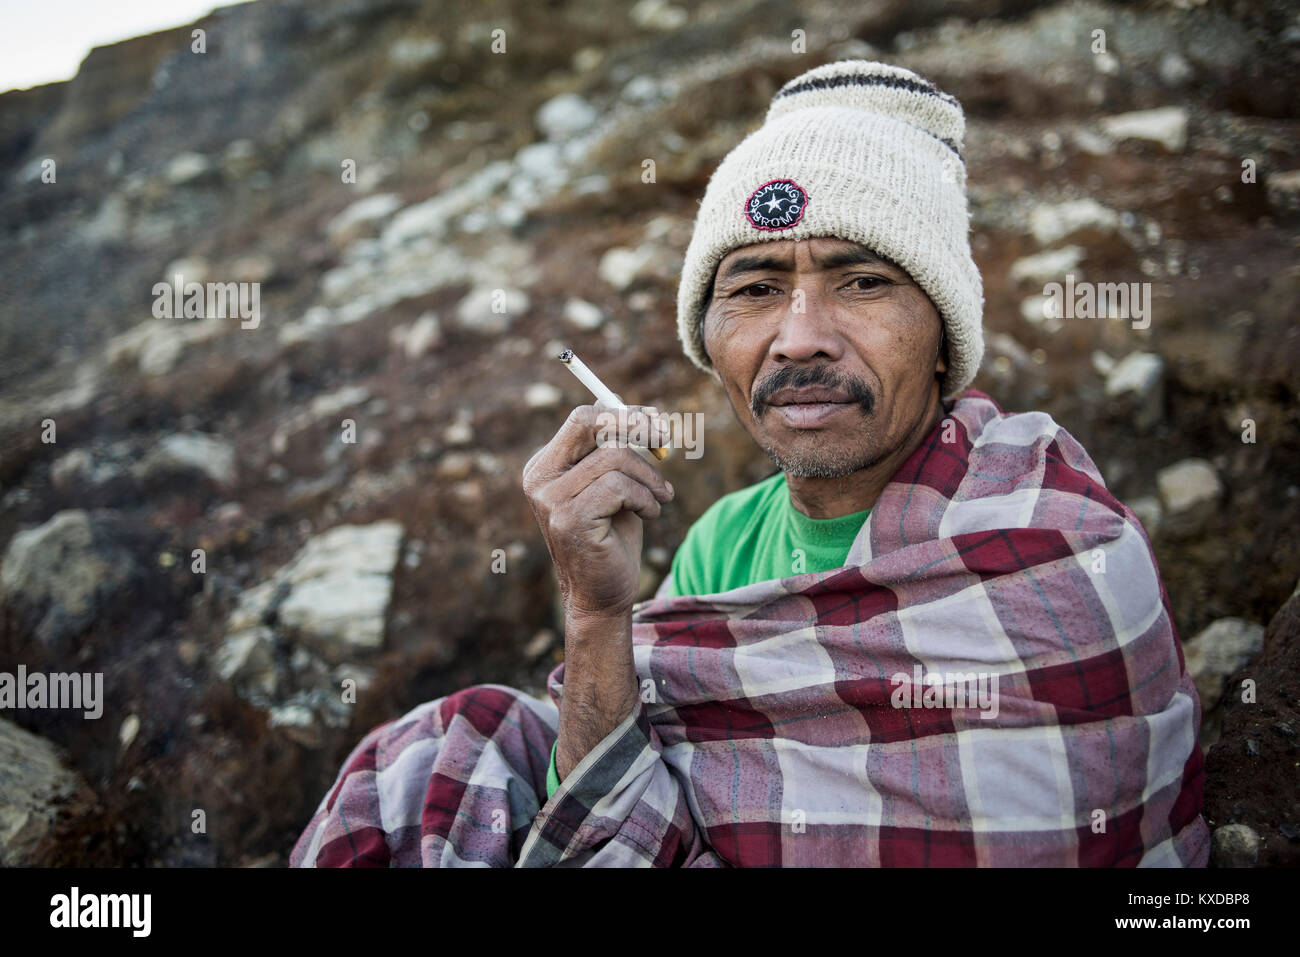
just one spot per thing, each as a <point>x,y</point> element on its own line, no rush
<point>810,415</point>
<point>809,407</point>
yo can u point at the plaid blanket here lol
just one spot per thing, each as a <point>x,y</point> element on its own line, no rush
<point>812,720</point>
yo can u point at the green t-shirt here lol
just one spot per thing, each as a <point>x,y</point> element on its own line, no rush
<point>753,535</point>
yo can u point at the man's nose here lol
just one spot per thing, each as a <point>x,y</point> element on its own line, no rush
<point>807,330</point>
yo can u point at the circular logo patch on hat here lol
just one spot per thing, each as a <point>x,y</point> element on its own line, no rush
<point>777,204</point>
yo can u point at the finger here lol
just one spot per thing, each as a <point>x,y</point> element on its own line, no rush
<point>614,492</point>
<point>575,439</point>
<point>587,428</point>
<point>632,425</point>
<point>608,459</point>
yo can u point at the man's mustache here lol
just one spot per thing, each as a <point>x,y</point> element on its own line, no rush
<point>797,377</point>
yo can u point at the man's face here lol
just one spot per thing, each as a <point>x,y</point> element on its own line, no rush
<point>828,353</point>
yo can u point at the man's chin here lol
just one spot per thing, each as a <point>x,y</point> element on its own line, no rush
<point>811,455</point>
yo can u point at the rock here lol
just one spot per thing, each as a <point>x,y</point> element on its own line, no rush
<point>537,165</point>
<point>1041,311</point>
<point>491,311</point>
<point>583,315</point>
<point>61,576</point>
<point>349,671</point>
<point>1218,652</point>
<point>587,59</point>
<point>156,345</point>
<point>658,15</point>
<point>1189,490</point>
<point>129,729</point>
<point>37,791</point>
<point>332,597</point>
<point>454,466</point>
<point>186,168</point>
<point>542,395</point>
<point>183,452</point>
<point>1174,69</point>
<point>1283,190</point>
<point>341,584</point>
<point>460,432</point>
<point>240,159</point>
<point>255,268</point>
<point>621,267</point>
<point>188,269</point>
<point>565,116</point>
<point>71,468</point>
<point>81,466</point>
<point>1102,363</point>
<point>415,53</point>
<point>368,210</point>
<point>1140,375</point>
<point>1166,125</point>
<point>641,89</point>
<point>539,644</point>
<point>1250,772</point>
<point>1048,265</point>
<point>424,335</point>
<point>1148,512</point>
<point>246,659</point>
<point>298,721</point>
<point>1002,345</point>
<point>1051,222</point>
<point>111,224</point>
<point>1234,845</point>
<point>332,403</point>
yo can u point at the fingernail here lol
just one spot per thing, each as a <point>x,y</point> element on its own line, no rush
<point>670,488</point>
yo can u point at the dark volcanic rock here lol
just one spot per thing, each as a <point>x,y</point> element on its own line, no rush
<point>1252,776</point>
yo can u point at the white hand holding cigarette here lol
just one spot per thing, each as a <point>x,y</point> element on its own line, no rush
<point>599,390</point>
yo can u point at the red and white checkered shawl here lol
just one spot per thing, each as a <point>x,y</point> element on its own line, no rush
<point>768,733</point>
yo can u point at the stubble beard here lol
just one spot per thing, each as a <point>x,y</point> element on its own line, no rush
<point>810,459</point>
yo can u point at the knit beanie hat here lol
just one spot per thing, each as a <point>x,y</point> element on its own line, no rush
<point>862,151</point>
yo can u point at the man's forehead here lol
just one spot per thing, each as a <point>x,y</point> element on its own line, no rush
<point>818,245</point>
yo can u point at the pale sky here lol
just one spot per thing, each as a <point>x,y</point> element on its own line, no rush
<point>45,40</point>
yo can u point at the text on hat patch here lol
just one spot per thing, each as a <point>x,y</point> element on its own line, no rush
<point>777,204</point>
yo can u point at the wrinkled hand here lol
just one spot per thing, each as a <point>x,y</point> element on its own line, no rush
<point>591,493</point>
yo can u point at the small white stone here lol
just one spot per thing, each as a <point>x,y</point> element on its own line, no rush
<point>1188,483</point>
<point>1050,264</point>
<point>130,728</point>
<point>1166,125</point>
<point>564,116</point>
<point>620,267</point>
<point>542,395</point>
<point>1050,222</point>
<point>583,314</point>
<point>186,167</point>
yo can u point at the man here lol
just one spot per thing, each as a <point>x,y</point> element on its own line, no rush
<point>932,638</point>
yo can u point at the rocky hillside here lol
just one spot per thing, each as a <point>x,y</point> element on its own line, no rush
<point>233,519</point>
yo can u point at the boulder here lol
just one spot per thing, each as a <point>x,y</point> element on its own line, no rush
<point>60,577</point>
<point>37,791</point>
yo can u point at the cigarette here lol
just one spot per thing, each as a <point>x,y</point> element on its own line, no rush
<point>599,389</point>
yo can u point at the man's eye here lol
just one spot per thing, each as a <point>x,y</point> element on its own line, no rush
<point>874,282</point>
<point>752,286</point>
